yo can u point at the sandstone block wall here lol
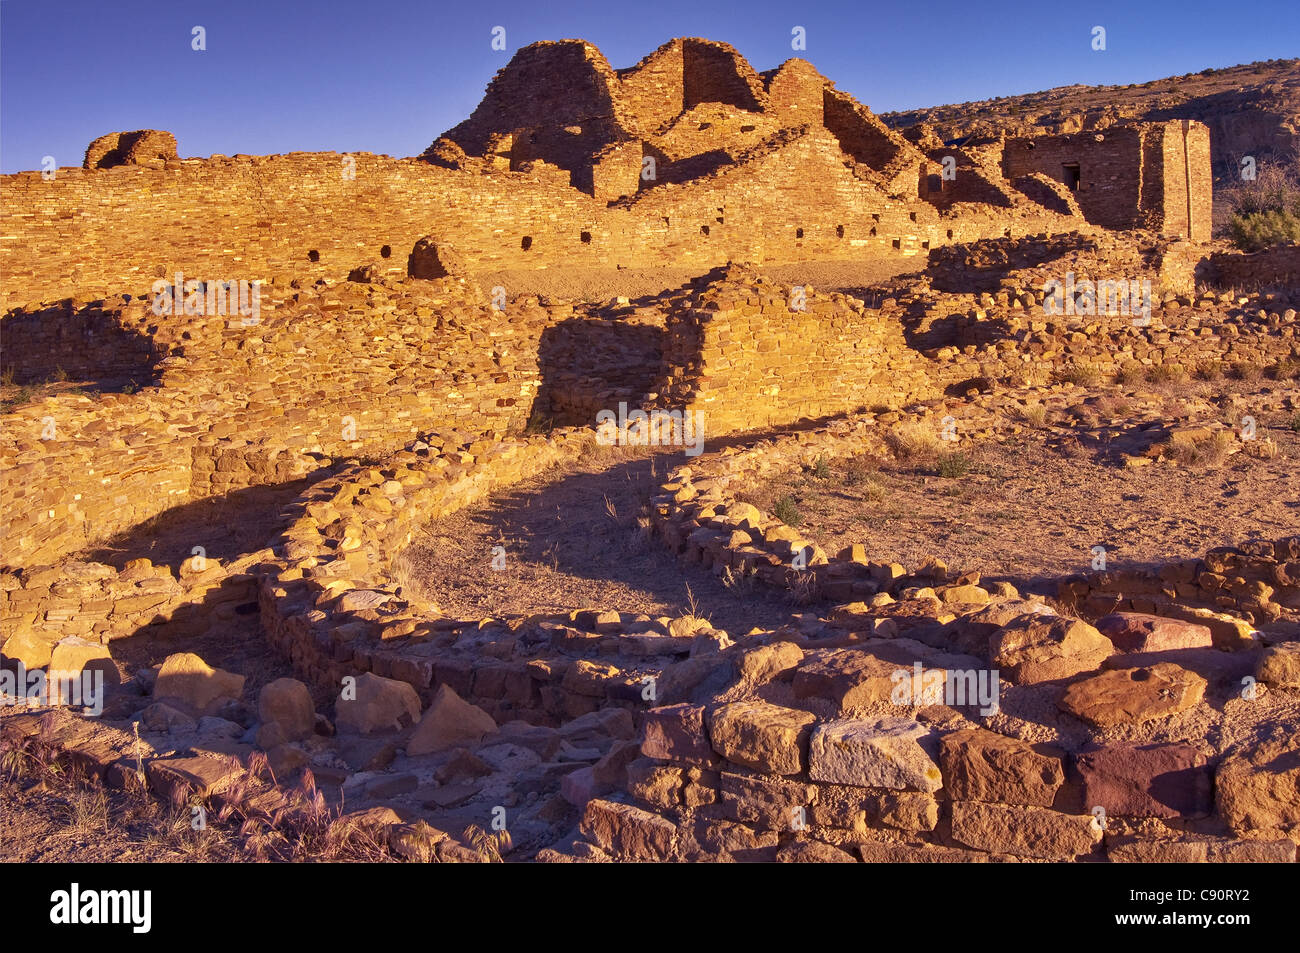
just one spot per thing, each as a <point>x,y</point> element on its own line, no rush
<point>1152,175</point>
<point>747,355</point>
<point>1273,267</point>
<point>350,370</point>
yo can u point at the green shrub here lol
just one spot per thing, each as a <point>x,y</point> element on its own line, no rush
<point>787,511</point>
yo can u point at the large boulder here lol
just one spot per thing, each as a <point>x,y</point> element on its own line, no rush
<point>1129,696</point>
<point>1140,632</point>
<point>761,736</point>
<point>450,722</point>
<point>142,147</point>
<point>981,765</point>
<point>434,259</point>
<point>896,753</point>
<point>1257,786</point>
<point>1041,648</point>
<point>202,689</point>
<point>286,703</point>
<point>373,704</point>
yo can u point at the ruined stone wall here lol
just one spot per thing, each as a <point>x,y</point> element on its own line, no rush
<point>351,370</point>
<point>97,233</point>
<point>742,355</point>
<point>1144,175</point>
<point>1277,266</point>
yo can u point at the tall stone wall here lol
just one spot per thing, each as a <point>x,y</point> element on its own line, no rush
<point>1148,175</point>
<point>98,233</point>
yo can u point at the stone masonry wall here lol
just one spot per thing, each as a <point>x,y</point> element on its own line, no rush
<point>746,355</point>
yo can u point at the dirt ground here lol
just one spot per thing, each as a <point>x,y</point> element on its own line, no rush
<point>572,542</point>
<point>1030,508</point>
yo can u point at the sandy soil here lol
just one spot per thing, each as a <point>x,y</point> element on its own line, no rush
<point>565,550</point>
<point>1027,509</point>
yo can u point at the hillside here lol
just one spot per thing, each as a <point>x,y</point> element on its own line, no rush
<point>1253,109</point>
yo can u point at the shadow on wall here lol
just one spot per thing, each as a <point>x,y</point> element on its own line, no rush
<point>86,344</point>
<point>590,365</point>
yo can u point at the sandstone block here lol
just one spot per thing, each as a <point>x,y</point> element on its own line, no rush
<point>761,736</point>
<point>884,752</point>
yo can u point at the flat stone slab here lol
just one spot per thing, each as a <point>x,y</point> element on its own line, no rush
<point>1140,632</point>
<point>896,753</point>
<point>1170,780</point>
<point>1133,695</point>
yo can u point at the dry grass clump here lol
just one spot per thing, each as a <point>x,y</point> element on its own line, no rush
<point>1205,452</point>
<point>1034,415</point>
<point>1167,374</point>
<point>1081,375</point>
<point>913,443</point>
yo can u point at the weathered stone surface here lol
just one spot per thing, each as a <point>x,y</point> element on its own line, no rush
<point>33,649</point>
<point>1038,648</point>
<point>1140,632</point>
<point>850,678</point>
<point>175,778</point>
<point>677,733</point>
<point>761,665</point>
<point>981,765</point>
<point>449,722</point>
<point>73,655</point>
<point>772,803</point>
<point>899,852</point>
<point>1167,780</point>
<point>761,736</point>
<point>141,147</point>
<point>905,810</point>
<point>628,832</point>
<point>188,679</point>
<point>1279,666</point>
<point>1257,787</point>
<point>1133,695</point>
<point>813,852</point>
<point>1024,831</point>
<point>434,259</point>
<point>286,702</point>
<point>894,753</point>
<point>380,704</point>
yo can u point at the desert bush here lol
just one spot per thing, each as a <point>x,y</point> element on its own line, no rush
<point>787,511</point>
<point>1082,375</point>
<point>1167,374</point>
<point>1244,371</point>
<point>953,465</point>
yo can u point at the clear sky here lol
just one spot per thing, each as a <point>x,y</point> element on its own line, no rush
<point>389,76</point>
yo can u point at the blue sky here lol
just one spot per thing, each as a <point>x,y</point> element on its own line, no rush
<point>389,76</point>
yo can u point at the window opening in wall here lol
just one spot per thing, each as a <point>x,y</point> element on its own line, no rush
<point>839,231</point>
<point>313,255</point>
<point>1071,170</point>
<point>798,233</point>
<point>898,243</point>
<point>950,233</point>
<point>704,229</point>
<point>586,238</point>
<point>386,251</point>
<point>527,242</point>
<point>873,231</point>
